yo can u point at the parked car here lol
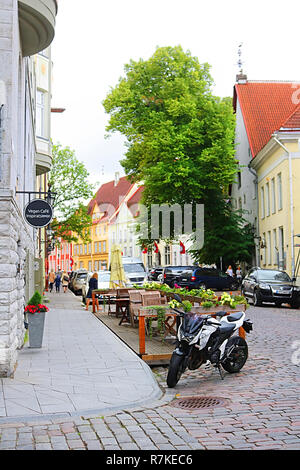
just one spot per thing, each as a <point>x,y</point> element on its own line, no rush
<point>270,285</point>
<point>206,278</point>
<point>78,281</point>
<point>154,273</point>
<point>171,274</point>
<point>134,270</point>
<point>103,283</point>
<point>71,277</point>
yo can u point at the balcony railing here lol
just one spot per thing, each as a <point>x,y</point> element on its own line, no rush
<point>37,24</point>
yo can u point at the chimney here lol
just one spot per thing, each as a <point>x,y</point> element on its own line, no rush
<point>241,78</point>
<point>117,177</point>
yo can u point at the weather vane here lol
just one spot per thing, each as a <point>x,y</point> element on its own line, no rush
<point>240,62</point>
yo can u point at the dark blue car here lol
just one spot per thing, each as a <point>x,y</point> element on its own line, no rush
<point>207,278</point>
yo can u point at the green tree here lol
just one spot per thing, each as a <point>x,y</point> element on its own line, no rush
<point>68,178</point>
<point>180,137</point>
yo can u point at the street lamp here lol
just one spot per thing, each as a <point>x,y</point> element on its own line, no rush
<point>50,198</point>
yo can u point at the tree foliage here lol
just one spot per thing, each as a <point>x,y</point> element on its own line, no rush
<point>68,178</point>
<point>180,137</point>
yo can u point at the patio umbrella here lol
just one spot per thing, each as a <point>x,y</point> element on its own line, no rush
<point>117,273</point>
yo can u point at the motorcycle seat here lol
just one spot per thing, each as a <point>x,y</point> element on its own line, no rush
<point>225,328</point>
<point>234,316</point>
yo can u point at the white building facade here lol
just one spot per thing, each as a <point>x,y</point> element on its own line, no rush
<point>27,28</point>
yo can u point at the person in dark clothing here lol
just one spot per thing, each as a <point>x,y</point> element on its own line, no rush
<point>57,282</point>
<point>93,284</point>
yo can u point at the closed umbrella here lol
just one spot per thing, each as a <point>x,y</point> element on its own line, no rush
<point>117,273</point>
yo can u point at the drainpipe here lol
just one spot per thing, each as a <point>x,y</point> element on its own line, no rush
<point>291,201</point>
<point>253,172</point>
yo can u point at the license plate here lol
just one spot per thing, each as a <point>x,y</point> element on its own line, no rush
<point>283,292</point>
<point>184,279</point>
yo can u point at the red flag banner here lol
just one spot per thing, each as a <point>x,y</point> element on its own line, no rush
<point>156,247</point>
<point>182,248</point>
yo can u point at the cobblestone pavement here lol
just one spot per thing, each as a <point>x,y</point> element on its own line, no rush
<point>261,410</point>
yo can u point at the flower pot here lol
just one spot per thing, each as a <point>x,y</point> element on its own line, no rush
<point>36,329</point>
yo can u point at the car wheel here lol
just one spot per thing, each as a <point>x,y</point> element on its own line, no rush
<point>257,302</point>
<point>202,286</point>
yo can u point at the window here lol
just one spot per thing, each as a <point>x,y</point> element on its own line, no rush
<point>279,188</point>
<point>90,247</point>
<point>96,247</point>
<point>281,248</point>
<point>167,255</point>
<point>262,202</point>
<point>96,265</point>
<point>273,196</point>
<point>275,248</point>
<point>269,247</point>
<point>99,247</point>
<point>81,250</point>
<point>267,199</point>
<point>90,265</point>
<point>104,247</point>
<point>264,248</point>
<point>239,176</point>
<point>85,249</point>
<point>40,114</point>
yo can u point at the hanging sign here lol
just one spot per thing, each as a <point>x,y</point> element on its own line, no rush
<point>38,213</point>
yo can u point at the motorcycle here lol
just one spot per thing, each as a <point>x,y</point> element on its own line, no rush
<point>208,340</point>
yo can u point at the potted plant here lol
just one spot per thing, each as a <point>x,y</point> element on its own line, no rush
<point>35,314</point>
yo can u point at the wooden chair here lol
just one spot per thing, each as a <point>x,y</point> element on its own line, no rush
<point>135,297</point>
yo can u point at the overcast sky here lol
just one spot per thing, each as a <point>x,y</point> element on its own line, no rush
<point>95,38</point>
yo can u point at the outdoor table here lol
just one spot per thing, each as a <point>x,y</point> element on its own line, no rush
<point>122,306</point>
<point>104,293</point>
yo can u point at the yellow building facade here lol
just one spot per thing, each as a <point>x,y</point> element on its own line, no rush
<point>93,255</point>
<point>278,177</point>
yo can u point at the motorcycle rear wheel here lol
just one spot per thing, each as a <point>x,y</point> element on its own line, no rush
<point>176,369</point>
<point>238,355</point>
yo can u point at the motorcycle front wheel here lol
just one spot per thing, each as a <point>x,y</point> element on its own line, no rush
<point>176,369</point>
<point>238,356</point>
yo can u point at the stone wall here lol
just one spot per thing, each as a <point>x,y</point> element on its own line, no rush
<point>15,242</point>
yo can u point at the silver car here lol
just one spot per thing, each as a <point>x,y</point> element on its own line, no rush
<point>103,283</point>
<point>78,281</point>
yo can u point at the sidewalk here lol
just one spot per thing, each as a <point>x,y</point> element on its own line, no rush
<point>82,367</point>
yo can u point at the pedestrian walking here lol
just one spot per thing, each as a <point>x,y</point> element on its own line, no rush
<point>93,284</point>
<point>65,281</point>
<point>57,282</point>
<point>230,271</point>
<point>238,274</point>
<point>51,279</point>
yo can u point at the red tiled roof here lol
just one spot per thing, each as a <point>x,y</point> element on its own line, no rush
<point>266,107</point>
<point>110,194</point>
<point>134,200</point>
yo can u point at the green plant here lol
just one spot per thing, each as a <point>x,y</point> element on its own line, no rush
<point>187,305</point>
<point>36,299</point>
<point>207,304</point>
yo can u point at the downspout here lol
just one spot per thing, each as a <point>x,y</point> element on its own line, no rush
<point>291,201</point>
<point>253,172</point>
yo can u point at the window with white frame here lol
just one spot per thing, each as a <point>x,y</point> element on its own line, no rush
<point>40,113</point>
<point>279,191</point>
<point>167,255</point>
<point>262,202</point>
<point>275,247</point>
<point>269,248</point>
<point>273,195</point>
<point>267,199</point>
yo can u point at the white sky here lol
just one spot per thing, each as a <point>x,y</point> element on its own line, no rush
<point>95,38</point>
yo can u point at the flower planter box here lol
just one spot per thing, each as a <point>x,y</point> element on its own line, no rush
<point>36,323</point>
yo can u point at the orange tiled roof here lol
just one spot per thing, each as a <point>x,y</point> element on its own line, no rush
<point>267,107</point>
<point>110,194</point>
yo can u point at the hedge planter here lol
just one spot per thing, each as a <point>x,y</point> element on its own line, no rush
<point>36,323</point>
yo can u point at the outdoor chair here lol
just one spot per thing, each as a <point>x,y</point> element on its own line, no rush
<point>135,297</point>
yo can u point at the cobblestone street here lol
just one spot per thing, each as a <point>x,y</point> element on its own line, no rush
<point>261,410</point>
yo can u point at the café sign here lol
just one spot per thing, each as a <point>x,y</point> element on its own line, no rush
<point>38,213</point>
